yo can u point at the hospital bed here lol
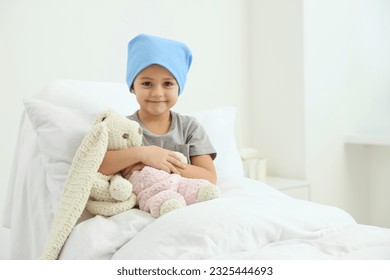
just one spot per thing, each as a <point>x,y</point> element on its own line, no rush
<point>250,219</point>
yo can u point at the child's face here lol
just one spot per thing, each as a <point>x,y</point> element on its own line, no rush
<point>156,90</point>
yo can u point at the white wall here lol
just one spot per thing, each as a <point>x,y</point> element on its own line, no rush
<point>276,85</point>
<point>320,69</point>
<point>347,89</point>
<point>54,39</point>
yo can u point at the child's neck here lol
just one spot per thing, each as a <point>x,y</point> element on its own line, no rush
<point>158,125</point>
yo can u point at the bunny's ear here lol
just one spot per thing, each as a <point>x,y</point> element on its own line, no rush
<point>103,115</point>
<point>77,189</point>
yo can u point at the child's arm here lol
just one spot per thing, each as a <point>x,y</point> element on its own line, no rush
<point>202,167</point>
<point>117,160</point>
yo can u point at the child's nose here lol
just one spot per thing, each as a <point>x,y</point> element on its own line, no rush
<point>158,91</point>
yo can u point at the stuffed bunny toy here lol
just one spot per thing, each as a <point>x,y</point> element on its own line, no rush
<point>113,194</point>
<point>85,187</point>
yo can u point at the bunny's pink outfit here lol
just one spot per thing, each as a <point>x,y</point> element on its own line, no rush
<point>159,192</point>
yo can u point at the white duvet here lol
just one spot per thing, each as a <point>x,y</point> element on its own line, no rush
<point>249,221</point>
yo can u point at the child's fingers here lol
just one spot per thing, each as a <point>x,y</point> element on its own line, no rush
<point>178,164</point>
<point>176,161</point>
<point>170,168</point>
<point>126,172</point>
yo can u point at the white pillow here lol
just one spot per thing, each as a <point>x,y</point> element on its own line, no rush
<point>219,125</point>
<point>90,97</point>
<point>59,132</point>
<point>60,129</point>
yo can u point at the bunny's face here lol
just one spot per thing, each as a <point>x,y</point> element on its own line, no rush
<point>122,132</point>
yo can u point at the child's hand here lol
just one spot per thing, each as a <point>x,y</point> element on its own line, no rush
<point>126,173</point>
<point>162,159</point>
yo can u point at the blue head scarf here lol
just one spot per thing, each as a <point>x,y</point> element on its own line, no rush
<point>145,50</point>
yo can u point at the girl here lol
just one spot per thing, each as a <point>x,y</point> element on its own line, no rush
<point>156,73</point>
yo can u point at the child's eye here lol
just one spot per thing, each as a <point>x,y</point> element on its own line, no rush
<point>168,84</point>
<point>147,84</point>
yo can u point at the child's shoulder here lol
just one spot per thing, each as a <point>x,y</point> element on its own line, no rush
<point>184,118</point>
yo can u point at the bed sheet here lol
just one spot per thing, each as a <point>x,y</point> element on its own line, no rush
<point>28,209</point>
<point>249,221</point>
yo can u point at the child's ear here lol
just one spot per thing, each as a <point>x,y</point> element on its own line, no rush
<point>132,89</point>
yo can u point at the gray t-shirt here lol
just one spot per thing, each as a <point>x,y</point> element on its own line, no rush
<point>186,135</point>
